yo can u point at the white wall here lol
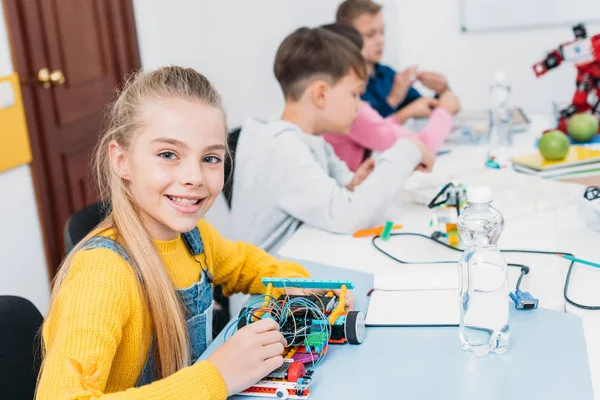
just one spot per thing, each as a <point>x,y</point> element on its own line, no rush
<point>429,35</point>
<point>232,42</point>
<point>23,264</point>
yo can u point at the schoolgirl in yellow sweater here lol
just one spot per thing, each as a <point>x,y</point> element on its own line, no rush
<point>131,305</point>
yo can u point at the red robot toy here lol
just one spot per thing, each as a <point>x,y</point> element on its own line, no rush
<point>584,52</point>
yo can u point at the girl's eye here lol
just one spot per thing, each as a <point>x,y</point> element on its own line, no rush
<point>212,159</point>
<point>168,155</point>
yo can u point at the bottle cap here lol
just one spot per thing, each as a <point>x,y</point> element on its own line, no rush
<point>479,194</point>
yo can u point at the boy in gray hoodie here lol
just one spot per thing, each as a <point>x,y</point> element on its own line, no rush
<point>285,174</point>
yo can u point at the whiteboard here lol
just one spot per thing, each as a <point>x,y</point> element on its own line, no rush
<point>483,15</point>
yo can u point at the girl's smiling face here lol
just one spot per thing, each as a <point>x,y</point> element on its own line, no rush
<point>174,167</point>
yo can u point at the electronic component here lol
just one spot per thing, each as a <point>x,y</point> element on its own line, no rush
<point>309,323</point>
<point>523,300</point>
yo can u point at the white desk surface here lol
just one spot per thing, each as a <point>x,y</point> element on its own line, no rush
<point>539,215</point>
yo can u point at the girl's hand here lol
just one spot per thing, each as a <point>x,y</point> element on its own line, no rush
<point>421,107</point>
<point>249,355</point>
<point>449,102</point>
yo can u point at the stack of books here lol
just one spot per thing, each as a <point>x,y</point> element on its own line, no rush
<point>580,162</point>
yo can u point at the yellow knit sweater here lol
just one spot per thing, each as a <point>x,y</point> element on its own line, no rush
<point>100,322</point>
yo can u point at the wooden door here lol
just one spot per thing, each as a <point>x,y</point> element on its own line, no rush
<point>92,45</point>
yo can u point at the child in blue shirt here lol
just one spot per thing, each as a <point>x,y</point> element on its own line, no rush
<point>386,91</point>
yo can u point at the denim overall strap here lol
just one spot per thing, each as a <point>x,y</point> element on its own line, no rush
<point>193,241</point>
<point>102,242</point>
<point>198,303</point>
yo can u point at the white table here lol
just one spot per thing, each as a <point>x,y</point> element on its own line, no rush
<point>532,221</point>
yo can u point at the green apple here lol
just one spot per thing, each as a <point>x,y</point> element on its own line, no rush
<point>554,145</point>
<point>582,127</point>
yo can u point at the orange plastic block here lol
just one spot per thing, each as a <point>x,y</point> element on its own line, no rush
<point>451,227</point>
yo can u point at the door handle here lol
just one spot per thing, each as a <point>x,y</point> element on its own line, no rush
<point>49,78</point>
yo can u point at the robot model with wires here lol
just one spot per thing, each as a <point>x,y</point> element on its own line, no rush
<point>448,204</point>
<point>309,323</point>
<point>584,52</point>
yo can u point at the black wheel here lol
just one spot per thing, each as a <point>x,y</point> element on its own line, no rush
<point>243,317</point>
<point>354,328</point>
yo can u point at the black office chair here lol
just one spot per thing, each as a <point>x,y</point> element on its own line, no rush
<point>82,222</point>
<point>20,347</point>
<point>232,142</point>
<point>86,219</point>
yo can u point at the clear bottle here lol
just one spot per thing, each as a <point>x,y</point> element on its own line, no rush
<point>483,282</point>
<point>501,121</point>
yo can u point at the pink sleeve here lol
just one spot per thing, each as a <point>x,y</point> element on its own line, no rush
<point>371,131</point>
<point>437,129</point>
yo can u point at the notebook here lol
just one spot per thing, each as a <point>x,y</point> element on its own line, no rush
<point>575,170</point>
<point>415,295</point>
<point>577,155</point>
<point>414,308</point>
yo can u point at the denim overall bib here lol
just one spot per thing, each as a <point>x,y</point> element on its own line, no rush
<point>197,299</point>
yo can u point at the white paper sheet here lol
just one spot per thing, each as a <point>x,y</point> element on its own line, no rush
<point>415,295</point>
<point>414,308</point>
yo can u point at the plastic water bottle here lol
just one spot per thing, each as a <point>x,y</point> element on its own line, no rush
<point>501,120</point>
<point>482,277</point>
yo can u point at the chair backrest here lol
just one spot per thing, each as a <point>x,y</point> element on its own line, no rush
<point>232,142</point>
<point>20,347</point>
<point>82,222</point>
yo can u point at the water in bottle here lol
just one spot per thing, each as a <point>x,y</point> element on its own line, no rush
<point>501,121</point>
<point>483,284</point>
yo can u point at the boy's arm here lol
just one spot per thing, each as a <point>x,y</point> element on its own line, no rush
<point>93,306</point>
<point>240,266</point>
<point>401,86</point>
<point>310,195</point>
<point>412,95</point>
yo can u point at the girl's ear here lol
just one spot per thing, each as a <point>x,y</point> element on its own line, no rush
<point>318,92</point>
<point>118,160</point>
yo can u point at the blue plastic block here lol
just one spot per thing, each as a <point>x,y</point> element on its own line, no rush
<point>305,283</point>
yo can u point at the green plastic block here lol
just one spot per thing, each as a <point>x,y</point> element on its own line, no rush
<point>387,230</point>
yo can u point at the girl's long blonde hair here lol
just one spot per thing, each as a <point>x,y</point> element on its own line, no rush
<point>171,345</point>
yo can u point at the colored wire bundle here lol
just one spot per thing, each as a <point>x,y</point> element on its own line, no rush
<point>305,316</point>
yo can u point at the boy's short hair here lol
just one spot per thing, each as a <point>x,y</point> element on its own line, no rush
<point>310,53</point>
<point>349,10</point>
<point>346,31</point>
